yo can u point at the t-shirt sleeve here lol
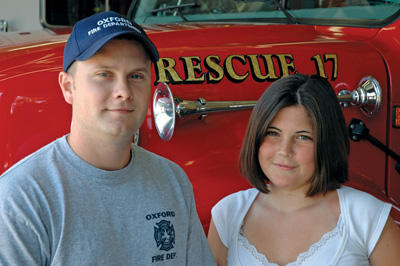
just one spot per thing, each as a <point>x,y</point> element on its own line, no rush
<point>368,216</point>
<point>199,252</point>
<point>18,243</point>
<point>21,238</point>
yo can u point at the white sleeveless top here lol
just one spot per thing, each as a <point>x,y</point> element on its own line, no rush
<point>350,243</point>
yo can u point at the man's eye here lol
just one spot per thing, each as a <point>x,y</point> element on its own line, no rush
<point>102,74</point>
<point>136,76</point>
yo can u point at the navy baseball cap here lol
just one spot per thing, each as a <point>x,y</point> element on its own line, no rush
<point>92,33</point>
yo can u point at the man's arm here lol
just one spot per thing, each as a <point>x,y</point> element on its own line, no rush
<point>198,252</point>
<point>20,243</point>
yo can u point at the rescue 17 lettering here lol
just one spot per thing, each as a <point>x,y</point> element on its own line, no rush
<point>264,67</point>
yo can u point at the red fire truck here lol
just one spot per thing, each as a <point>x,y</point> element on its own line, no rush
<point>217,58</point>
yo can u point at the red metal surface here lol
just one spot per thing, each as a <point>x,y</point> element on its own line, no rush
<point>222,62</point>
<point>387,43</point>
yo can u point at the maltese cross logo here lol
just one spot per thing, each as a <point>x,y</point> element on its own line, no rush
<point>164,234</point>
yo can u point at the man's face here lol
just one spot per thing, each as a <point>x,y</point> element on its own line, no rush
<point>111,90</point>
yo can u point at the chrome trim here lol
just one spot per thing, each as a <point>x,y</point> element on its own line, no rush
<point>42,14</point>
<point>166,106</point>
<point>136,137</point>
<point>164,111</point>
<point>368,96</point>
<point>201,106</point>
<point>3,25</point>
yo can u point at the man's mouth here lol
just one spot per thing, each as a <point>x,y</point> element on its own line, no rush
<point>121,110</point>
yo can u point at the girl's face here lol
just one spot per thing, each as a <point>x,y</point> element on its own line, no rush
<point>287,153</point>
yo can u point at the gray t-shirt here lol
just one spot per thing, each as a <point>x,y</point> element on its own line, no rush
<point>56,209</point>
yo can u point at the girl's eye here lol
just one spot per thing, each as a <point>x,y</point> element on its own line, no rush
<point>272,133</point>
<point>304,137</point>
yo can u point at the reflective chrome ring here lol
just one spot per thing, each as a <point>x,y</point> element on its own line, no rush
<point>164,111</point>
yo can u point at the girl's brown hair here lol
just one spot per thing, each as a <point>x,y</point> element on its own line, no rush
<point>331,137</point>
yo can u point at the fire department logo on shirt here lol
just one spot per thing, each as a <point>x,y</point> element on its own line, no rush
<point>164,234</point>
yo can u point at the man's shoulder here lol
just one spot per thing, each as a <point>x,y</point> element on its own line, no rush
<point>160,169</point>
<point>148,157</point>
<point>26,180</point>
<point>30,164</point>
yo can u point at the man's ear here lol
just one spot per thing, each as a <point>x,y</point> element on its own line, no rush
<point>67,84</point>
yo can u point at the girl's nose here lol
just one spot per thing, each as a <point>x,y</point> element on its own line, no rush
<point>286,147</point>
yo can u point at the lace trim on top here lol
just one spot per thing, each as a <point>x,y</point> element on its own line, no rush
<point>302,257</point>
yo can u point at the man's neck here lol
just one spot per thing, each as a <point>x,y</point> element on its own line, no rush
<point>105,153</point>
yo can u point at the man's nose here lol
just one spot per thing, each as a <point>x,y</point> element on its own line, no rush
<point>122,89</point>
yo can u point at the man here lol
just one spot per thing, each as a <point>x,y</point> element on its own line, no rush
<point>91,197</point>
